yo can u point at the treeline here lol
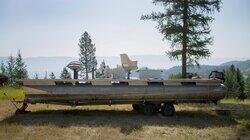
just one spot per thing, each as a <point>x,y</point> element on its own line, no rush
<point>235,83</point>
<point>14,69</point>
<point>65,74</point>
<point>51,76</point>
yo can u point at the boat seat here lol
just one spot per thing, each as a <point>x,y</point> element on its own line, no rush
<point>128,64</point>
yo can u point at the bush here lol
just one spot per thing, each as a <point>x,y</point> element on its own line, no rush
<point>175,76</point>
<point>3,79</point>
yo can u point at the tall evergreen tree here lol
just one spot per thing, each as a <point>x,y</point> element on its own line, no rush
<point>94,67</point>
<point>102,69</point>
<point>46,75</point>
<point>233,69</point>
<point>35,76</point>
<point>52,76</point>
<point>185,23</point>
<point>98,74</point>
<point>10,69</point>
<point>20,70</point>
<point>231,82</point>
<point>87,54</point>
<point>3,69</point>
<point>107,72</point>
<point>240,79</point>
<point>65,74</point>
<point>247,86</point>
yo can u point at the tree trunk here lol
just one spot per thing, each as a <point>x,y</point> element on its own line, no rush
<point>93,73</point>
<point>86,73</point>
<point>184,41</point>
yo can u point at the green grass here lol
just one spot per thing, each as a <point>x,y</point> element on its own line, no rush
<point>191,121</point>
<point>235,101</point>
<point>11,92</point>
<point>120,122</point>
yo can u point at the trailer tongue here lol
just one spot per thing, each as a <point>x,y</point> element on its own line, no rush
<point>145,96</point>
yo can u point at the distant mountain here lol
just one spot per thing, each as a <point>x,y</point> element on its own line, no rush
<point>231,63</point>
<point>55,64</point>
<point>3,59</point>
<point>204,70</point>
<point>244,66</point>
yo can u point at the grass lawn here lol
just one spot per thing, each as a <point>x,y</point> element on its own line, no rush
<point>16,93</point>
<point>191,121</point>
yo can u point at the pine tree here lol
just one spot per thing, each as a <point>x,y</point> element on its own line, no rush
<point>231,82</point>
<point>46,75</point>
<point>107,72</point>
<point>233,69</point>
<point>20,70</point>
<point>65,74</point>
<point>185,23</point>
<point>52,76</point>
<point>3,69</point>
<point>98,74</point>
<point>36,76</point>
<point>247,86</point>
<point>87,54</point>
<point>240,80</point>
<point>102,69</point>
<point>10,69</point>
<point>94,67</point>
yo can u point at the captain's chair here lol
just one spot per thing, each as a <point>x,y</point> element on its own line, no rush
<point>128,64</point>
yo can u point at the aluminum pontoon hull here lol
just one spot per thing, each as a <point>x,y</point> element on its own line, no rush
<point>109,92</point>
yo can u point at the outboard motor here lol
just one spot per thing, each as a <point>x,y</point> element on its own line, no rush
<point>217,75</point>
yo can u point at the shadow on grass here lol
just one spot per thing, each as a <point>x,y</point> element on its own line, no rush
<point>127,121</point>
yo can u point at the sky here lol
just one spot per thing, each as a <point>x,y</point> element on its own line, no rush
<point>53,28</point>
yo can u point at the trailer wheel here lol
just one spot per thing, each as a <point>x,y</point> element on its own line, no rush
<point>157,107</point>
<point>148,109</point>
<point>167,110</point>
<point>136,107</point>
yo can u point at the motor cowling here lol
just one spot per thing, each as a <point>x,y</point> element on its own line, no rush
<point>217,75</point>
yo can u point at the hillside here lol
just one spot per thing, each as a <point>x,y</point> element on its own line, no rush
<point>204,70</point>
<point>244,66</point>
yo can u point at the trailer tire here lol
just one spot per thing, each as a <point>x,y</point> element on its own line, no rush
<point>167,110</point>
<point>148,109</point>
<point>136,107</point>
<point>157,108</point>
